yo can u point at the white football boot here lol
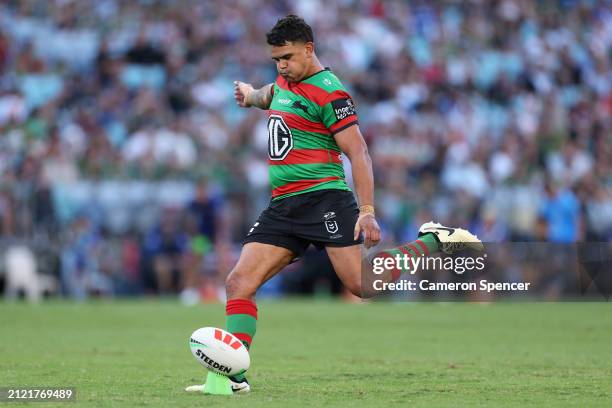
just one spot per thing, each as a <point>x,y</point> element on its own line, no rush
<point>238,387</point>
<point>451,239</point>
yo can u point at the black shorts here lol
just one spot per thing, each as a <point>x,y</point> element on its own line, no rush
<point>322,218</point>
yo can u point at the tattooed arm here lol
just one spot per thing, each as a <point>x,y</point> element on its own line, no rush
<point>246,96</point>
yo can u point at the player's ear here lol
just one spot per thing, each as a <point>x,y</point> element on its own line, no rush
<point>309,49</point>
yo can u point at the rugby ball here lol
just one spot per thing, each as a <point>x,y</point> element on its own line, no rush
<point>219,351</point>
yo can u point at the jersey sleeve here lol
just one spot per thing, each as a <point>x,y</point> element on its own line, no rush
<point>338,112</point>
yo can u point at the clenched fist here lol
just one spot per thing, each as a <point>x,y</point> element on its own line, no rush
<point>241,93</point>
<point>366,224</point>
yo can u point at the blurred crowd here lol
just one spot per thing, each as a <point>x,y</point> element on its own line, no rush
<point>126,167</point>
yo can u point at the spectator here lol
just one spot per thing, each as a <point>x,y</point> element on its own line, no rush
<point>561,211</point>
<point>163,248</point>
<point>466,109</point>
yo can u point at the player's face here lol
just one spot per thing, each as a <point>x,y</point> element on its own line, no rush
<point>292,60</point>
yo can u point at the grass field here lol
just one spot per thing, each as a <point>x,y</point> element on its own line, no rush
<point>316,354</point>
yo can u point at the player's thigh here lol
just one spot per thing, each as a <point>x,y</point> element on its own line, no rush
<point>347,264</point>
<point>258,262</point>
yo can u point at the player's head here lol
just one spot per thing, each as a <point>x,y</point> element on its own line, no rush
<point>292,47</point>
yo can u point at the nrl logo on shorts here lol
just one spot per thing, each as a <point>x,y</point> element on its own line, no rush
<point>331,226</point>
<point>329,215</point>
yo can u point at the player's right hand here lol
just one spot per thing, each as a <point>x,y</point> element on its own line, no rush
<point>241,92</point>
<point>366,224</point>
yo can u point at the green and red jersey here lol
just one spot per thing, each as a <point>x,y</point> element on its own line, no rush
<point>303,119</point>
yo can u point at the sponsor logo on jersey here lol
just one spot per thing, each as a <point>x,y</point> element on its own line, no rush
<point>300,105</point>
<point>284,101</point>
<point>280,140</point>
<point>327,82</point>
<point>343,108</point>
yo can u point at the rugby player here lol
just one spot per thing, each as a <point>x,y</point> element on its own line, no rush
<point>312,123</point>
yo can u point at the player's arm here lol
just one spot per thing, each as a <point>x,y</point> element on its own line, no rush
<point>354,147</point>
<point>246,96</point>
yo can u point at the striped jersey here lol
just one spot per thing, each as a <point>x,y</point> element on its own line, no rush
<point>302,121</point>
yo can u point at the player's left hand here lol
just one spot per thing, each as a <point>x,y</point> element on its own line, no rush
<point>367,224</point>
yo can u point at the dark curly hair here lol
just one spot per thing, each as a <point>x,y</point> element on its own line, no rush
<point>289,29</point>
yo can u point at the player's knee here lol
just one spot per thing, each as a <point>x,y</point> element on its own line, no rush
<point>238,285</point>
<point>354,286</point>
<point>361,289</point>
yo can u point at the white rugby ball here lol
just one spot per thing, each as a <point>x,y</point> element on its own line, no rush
<point>219,351</point>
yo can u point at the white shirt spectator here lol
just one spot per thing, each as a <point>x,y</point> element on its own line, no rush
<point>12,108</point>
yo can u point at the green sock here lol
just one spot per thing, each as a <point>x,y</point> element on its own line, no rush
<point>241,321</point>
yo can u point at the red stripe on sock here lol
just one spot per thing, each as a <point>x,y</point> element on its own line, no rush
<point>243,337</point>
<point>395,273</point>
<point>416,251</point>
<point>241,306</point>
<point>404,251</point>
<point>423,246</point>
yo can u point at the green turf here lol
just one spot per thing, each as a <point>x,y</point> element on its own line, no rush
<point>316,354</point>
